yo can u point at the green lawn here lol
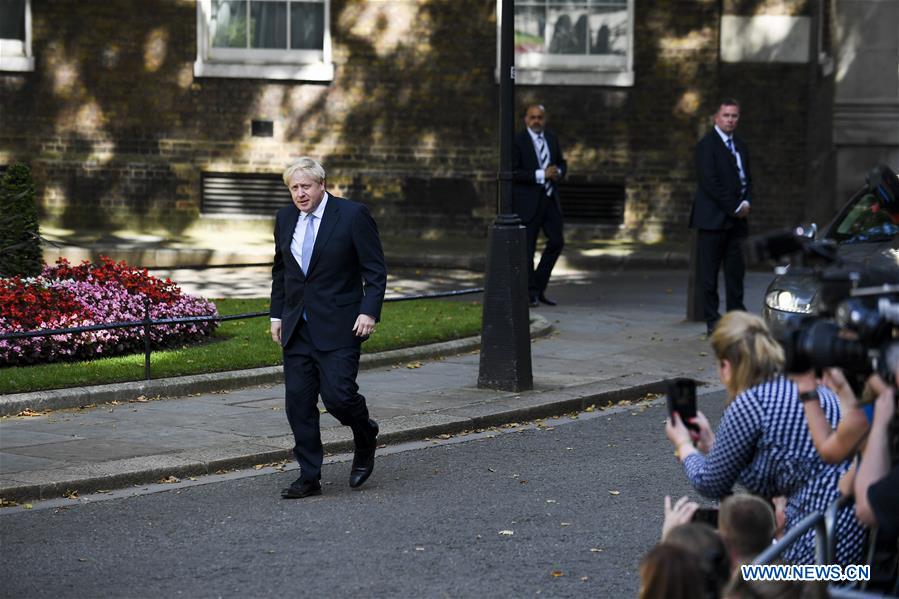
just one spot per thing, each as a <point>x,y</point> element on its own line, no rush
<point>246,344</point>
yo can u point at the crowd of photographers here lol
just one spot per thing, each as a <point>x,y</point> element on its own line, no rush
<point>795,442</point>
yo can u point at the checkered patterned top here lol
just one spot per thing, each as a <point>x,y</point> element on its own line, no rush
<point>763,443</point>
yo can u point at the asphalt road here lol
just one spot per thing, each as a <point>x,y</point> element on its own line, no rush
<point>560,509</point>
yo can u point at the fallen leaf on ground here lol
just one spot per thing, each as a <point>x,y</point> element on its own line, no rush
<point>595,550</point>
<point>557,573</point>
<point>28,413</point>
<point>614,492</point>
<point>507,533</point>
<point>411,365</point>
<point>170,480</point>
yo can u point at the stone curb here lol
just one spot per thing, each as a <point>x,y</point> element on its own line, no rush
<point>75,397</point>
<point>147,470</point>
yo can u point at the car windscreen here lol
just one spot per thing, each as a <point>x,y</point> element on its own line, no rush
<point>865,221</point>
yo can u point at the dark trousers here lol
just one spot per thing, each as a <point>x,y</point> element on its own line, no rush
<point>549,220</point>
<point>715,248</point>
<point>309,372</point>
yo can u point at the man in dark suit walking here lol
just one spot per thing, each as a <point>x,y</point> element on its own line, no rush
<point>328,284</point>
<point>538,167</point>
<point>720,207</point>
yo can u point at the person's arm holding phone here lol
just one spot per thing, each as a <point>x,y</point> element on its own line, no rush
<point>680,437</point>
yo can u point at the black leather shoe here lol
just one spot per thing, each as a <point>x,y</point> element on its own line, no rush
<point>364,457</point>
<point>535,301</point>
<point>543,299</point>
<point>302,488</point>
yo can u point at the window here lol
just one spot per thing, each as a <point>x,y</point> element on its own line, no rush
<point>15,36</point>
<point>574,42</point>
<point>268,39</point>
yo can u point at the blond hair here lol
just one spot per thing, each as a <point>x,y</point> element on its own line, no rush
<point>306,166</point>
<point>744,340</point>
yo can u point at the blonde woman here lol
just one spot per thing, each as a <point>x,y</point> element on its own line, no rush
<point>762,441</point>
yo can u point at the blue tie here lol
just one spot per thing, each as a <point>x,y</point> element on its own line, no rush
<point>308,243</point>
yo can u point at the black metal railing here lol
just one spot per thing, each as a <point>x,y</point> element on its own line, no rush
<point>825,526</point>
<point>147,323</point>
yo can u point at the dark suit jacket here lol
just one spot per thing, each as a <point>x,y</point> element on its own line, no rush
<point>347,275</point>
<point>526,192</point>
<point>718,193</point>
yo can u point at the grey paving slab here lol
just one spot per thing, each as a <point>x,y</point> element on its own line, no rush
<point>269,403</point>
<point>270,425</point>
<point>11,463</point>
<point>13,437</point>
<point>88,450</point>
<point>426,400</point>
<point>202,406</point>
<point>165,437</point>
<point>52,423</point>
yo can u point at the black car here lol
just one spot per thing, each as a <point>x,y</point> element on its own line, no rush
<point>865,233</point>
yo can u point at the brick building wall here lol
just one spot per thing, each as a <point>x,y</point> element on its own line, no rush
<point>118,130</point>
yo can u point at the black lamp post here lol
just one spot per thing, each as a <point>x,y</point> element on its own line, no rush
<point>505,334</point>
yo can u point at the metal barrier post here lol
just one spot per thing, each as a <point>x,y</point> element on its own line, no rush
<point>147,338</point>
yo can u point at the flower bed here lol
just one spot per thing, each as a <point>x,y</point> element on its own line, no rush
<point>64,295</point>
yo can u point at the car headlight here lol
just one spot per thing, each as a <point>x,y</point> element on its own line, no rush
<point>787,301</point>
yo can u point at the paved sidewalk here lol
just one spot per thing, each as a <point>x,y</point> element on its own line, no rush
<point>617,335</point>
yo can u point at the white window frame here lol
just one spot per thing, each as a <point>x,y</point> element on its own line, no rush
<point>15,55</point>
<point>260,63</point>
<point>568,69</point>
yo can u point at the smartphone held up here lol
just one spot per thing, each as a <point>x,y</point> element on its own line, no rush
<point>682,399</point>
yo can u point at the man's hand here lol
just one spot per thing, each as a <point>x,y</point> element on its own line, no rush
<point>365,325</point>
<point>552,172</point>
<point>743,210</point>
<point>276,331</point>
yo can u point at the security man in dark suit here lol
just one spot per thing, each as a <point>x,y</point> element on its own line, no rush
<point>538,167</point>
<point>720,207</point>
<point>328,284</point>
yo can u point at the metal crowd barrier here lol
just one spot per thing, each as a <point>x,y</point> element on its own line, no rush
<point>825,526</point>
<point>146,323</point>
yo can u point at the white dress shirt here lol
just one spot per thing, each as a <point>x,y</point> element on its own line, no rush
<point>299,233</point>
<point>539,174</point>
<point>725,138</point>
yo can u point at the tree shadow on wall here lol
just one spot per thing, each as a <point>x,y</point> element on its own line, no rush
<point>409,105</point>
<point>111,92</point>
